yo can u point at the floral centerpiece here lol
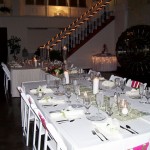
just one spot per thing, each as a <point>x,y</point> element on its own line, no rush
<point>55,70</point>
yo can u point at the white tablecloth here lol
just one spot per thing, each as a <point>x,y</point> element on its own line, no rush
<point>78,136</point>
<point>19,75</point>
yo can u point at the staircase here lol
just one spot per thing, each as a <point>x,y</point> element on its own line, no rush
<point>82,29</point>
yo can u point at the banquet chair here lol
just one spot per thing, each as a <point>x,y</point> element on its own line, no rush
<point>28,115</point>
<point>141,147</point>
<point>38,121</point>
<point>20,90</point>
<point>52,139</point>
<point>134,84</point>
<point>7,80</point>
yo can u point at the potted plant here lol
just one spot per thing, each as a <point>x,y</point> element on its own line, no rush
<point>14,46</point>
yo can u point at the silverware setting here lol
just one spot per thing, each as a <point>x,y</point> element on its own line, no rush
<point>129,130</point>
<point>94,133</point>
<point>66,120</point>
<point>54,111</point>
<point>127,126</point>
<point>47,105</point>
<point>101,134</point>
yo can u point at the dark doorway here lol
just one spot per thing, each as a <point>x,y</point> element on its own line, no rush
<point>3,45</point>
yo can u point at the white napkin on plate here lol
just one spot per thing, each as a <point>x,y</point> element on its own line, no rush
<point>47,90</point>
<point>110,128</point>
<point>108,84</point>
<point>43,89</point>
<point>73,114</point>
<point>33,91</point>
<point>51,101</point>
<point>68,114</point>
<point>133,93</point>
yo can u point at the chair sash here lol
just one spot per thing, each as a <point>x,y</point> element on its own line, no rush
<point>135,84</point>
<point>141,147</point>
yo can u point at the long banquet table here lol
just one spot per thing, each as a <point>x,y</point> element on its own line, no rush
<point>77,134</point>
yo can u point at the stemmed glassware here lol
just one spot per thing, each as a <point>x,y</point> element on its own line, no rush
<point>122,85</point>
<point>141,91</point>
<point>147,95</point>
<point>57,83</point>
<point>68,93</point>
<point>92,76</point>
<point>77,91</point>
<point>117,83</point>
<point>87,104</point>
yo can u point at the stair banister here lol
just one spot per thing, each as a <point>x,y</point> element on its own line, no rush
<point>81,27</point>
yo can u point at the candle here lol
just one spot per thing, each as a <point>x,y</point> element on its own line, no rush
<point>125,111</point>
<point>35,62</point>
<point>64,52</point>
<point>66,75</point>
<point>95,85</point>
<point>85,94</point>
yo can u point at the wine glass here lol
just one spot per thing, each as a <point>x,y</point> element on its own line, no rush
<point>77,91</point>
<point>63,81</point>
<point>68,93</point>
<point>57,83</point>
<point>141,91</point>
<point>122,85</point>
<point>117,83</point>
<point>147,95</point>
<point>92,76</point>
<point>87,104</point>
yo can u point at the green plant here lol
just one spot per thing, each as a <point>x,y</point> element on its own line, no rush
<point>14,45</point>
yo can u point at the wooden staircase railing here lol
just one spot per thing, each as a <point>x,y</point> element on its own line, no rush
<point>81,30</point>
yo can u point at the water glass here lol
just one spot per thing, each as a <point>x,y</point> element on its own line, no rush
<point>87,104</point>
<point>57,83</point>
<point>122,85</point>
<point>141,90</point>
<point>117,82</point>
<point>68,94</point>
<point>77,91</point>
<point>147,95</point>
<point>48,80</point>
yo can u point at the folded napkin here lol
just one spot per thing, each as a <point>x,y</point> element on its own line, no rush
<point>110,128</point>
<point>47,90</point>
<point>33,91</point>
<point>109,84</point>
<point>50,100</point>
<point>101,78</point>
<point>73,114</point>
<point>133,93</point>
<point>67,114</point>
<point>42,89</point>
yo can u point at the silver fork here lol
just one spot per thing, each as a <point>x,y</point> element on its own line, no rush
<point>94,133</point>
<point>101,134</point>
